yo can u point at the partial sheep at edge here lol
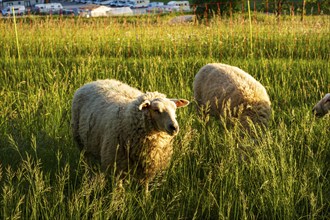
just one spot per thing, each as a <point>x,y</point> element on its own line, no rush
<point>322,107</point>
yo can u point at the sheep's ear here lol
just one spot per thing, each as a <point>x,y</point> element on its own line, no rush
<point>180,102</point>
<point>144,104</point>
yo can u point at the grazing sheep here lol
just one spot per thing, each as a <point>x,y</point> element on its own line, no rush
<point>183,19</point>
<point>322,107</point>
<point>229,91</point>
<point>126,130</point>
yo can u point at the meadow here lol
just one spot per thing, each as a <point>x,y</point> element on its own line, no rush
<point>43,175</point>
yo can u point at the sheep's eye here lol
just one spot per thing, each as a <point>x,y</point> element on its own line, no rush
<point>157,111</point>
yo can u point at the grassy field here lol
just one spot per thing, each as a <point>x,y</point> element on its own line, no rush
<point>43,176</point>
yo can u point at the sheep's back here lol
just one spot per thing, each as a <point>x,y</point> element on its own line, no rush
<point>94,106</point>
<point>217,84</point>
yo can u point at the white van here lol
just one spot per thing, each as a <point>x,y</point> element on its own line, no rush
<point>48,8</point>
<point>101,2</point>
<point>138,3</point>
<point>182,5</point>
<point>18,9</point>
<point>156,4</point>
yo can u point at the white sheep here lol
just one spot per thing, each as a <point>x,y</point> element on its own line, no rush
<point>126,130</point>
<point>323,106</point>
<point>229,91</point>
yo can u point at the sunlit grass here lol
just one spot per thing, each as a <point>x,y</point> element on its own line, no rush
<point>42,174</point>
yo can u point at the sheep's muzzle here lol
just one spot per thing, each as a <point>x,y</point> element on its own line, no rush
<point>172,129</point>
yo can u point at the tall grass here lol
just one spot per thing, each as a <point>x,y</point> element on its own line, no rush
<point>43,176</point>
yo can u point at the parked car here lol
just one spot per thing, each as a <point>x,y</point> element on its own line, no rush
<point>117,3</point>
<point>138,3</point>
<point>9,10</point>
<point>48,8</point>
<point>86,2</point>
<point>72,12</point>
<point>179,5</point>
<point>101,2</point>
<point>155,4</point>
<point>155,9</point>
<point>171,8</point>
<point>107,2</point>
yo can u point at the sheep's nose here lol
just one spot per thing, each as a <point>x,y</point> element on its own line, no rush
<point>315,112</point>
<point>173,128</point>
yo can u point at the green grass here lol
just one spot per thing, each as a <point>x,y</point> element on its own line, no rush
<point>43,176</point>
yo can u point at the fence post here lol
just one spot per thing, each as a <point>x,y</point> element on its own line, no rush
<point>250,22</point>
<point>205,13</point>
<point>231,10</point>
<point>16,34</point>
<point>242,6</point>
<point>303,10</point>
<point>279,8</point>
<point>255,9</point>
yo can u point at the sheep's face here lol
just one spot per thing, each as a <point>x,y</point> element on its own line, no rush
<point>322,107</point>
<point>162,113</point>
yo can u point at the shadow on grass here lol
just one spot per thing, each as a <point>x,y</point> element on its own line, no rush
<point>20,142</point>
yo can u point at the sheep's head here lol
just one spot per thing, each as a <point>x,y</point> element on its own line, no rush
<point>162,113</point>
<point>322,107</point>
